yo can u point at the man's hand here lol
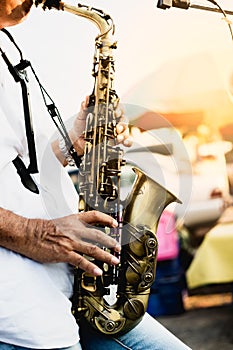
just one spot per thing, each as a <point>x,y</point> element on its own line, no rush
<point>60,240</point>
<point>76,133</point>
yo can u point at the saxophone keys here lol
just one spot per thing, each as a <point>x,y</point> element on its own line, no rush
<point>134,309</point>
<point>110,322</point>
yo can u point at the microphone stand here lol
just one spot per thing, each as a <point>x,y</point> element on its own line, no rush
<point>185,4</point>
<point>206,8</point>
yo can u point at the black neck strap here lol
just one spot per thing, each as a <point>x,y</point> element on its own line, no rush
<point>20,76</point>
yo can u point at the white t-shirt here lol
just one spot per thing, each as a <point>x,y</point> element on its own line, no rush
<point>35,310</point>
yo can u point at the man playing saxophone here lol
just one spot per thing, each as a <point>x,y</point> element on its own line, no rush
<point>38,245</point>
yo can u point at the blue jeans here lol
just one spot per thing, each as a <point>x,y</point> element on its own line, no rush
<point>147,335</point>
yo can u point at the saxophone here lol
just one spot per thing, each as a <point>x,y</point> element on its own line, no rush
<point>115,302</point>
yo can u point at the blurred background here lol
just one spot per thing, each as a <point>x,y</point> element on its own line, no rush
<point>162,48</point>
<point>174,76</point>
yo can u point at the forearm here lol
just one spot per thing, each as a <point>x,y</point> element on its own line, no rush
<point>58,153</point>
<point>12,229</point>
<point>21,234</point>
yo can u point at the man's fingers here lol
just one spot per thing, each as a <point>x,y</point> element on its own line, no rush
<point>128,141</point>
<point>98,253</point>
<point>122,127</point>
<point>95,235</point>
<point>99,237</point>
<point>97,217</point>
<point>95,252</point>
<point>123,134</point>
<point>84,264</point>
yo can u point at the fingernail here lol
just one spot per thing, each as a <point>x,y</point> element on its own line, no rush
<point>120,128</point>
<point>118,248</point>
<point>127,142</point>
<point>115,260</point>
<point>97,271</point>
<point>114,223</point>
<point>120,138</point>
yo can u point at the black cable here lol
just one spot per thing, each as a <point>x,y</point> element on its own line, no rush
<point>53,110</point>
<point>225,16</point>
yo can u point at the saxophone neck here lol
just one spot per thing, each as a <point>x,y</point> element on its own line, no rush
<point>102,20</point>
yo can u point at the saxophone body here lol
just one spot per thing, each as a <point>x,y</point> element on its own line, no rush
<point>115,302</point>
